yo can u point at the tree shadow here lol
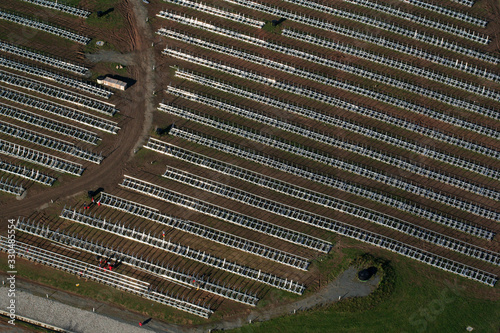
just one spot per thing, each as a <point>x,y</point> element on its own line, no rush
<point>278,22</point>
<point>163,130</point>
<point>95,193</point>
<point>104,13</point>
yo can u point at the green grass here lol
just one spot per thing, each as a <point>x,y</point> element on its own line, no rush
<point>28,327</point>
<point>278,295</point>
<point>144,155</point>
<point>72,2</point>
<point>110,68</point>
<point>331,265</point>
<point>122,71</point>
<point>268,26</point>
<point>112,20</point>
<point>410,298</point>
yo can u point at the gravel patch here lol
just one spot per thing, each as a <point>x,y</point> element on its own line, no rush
<point>71,312</point>
<point>347,285</point>
<point>64,316</point>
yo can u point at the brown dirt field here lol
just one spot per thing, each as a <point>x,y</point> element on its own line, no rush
<point>349,156</point>
<point>116,149</point>
<point>152,72</point>
<point>351,198</point>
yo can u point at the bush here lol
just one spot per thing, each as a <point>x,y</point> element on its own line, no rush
<point>269,27</point>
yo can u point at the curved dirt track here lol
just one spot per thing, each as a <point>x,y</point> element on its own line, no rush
<point>133,132</point>
<point>131,135</point>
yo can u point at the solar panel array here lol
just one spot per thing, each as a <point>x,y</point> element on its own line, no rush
<point>9,186</point>
<point>252,125</point>
<point>62,7</point>
<point>242,71</point>
<point>42,58</point>
<point>191,279</point>
<point>92,272</point>
<point>395,147</point>
<point>34,24</point>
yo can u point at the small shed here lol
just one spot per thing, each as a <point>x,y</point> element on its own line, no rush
<point>112,83</point>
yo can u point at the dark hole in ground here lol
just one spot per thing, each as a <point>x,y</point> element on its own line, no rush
<point>366,274</point>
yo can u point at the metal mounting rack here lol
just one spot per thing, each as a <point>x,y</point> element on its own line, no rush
<point>59,110</point>
<point>321,221</point>
<point>49,75</point>
<point>203,231</point>
<point>288,167</point>
<point>448,12</point>
<point>31,174</point>
<point>293,190</point>
<point>49,142</point>
<point>44,27</point>
<point>397,141</point>
<point>170,273</point>
<point>49,124</point>
<point>356,70</point>
<point>226,215</point>
<point>374,39</point>
<point>445,27</point>
<point>94,273</point>
<point>40,158</point>
<point>61,7</point>
<point>328,159</point>
<point>220,12</point>
<point>396,246</point>
<point>35,56</point>
<point>432,40</point>
<point>320,137</point>
<point>468,3</point>
<point>10,187</point>
<point>56,92</point>
<point>201,256</point>
<point>304,91</point>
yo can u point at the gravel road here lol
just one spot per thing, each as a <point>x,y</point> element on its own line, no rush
<point>74,313</point>
<point>345,286</point>
<point>49,311</point>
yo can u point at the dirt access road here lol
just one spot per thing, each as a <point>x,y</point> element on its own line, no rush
<point>132,134</point>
